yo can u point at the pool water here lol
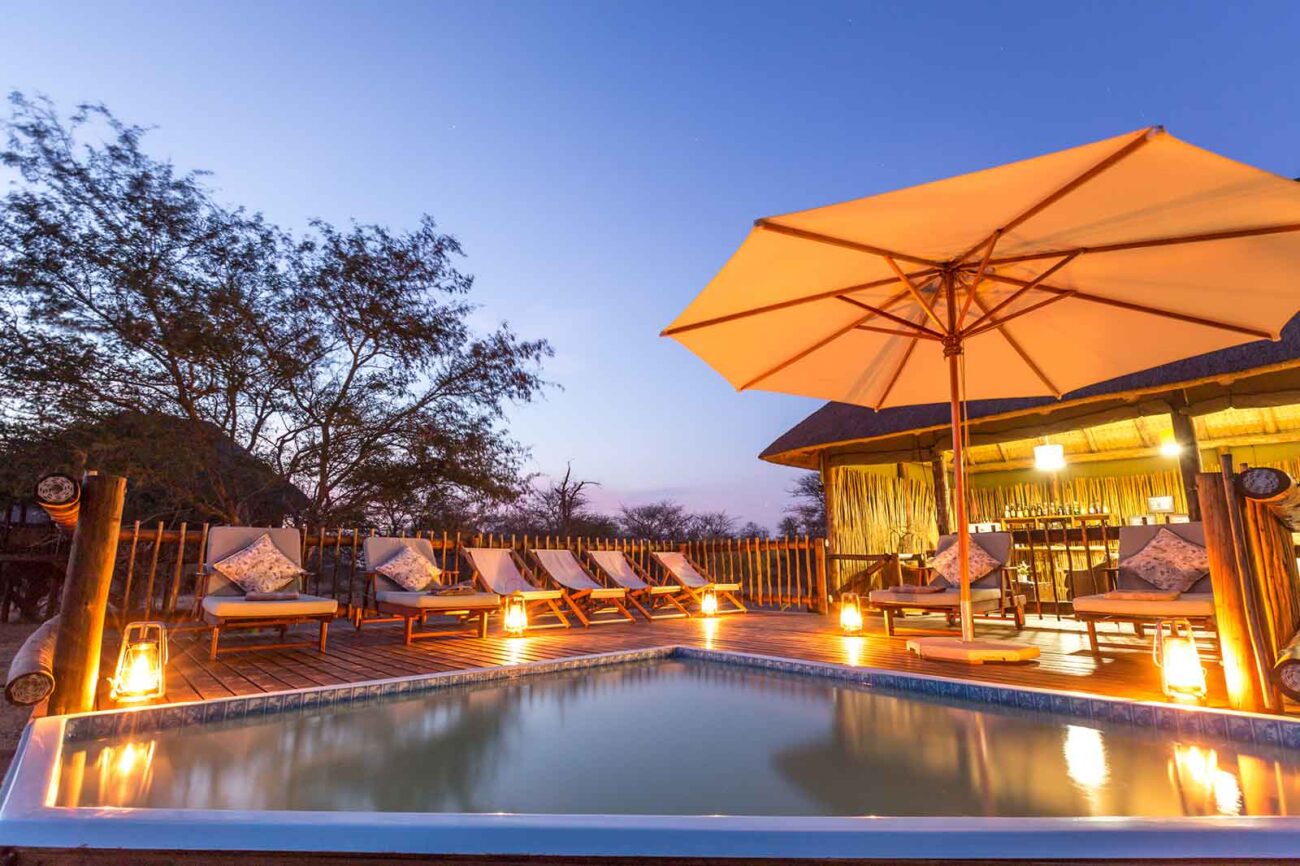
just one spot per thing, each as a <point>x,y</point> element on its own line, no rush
<point>681,737</point>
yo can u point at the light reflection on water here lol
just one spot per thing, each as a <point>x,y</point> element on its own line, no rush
<point>673,737</point>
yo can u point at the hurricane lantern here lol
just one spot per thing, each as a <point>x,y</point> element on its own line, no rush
<point>515,616</point>
<point>1181,674</point>
<point>709,603</point>
<point>141,664</point>
<point>851,613</point>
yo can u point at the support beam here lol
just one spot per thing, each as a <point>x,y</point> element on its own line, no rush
<point>940,474</point>
<point>85,594</point>
<point>1189,459</point>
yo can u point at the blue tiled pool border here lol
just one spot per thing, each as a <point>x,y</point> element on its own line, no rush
<point>1226,725</point>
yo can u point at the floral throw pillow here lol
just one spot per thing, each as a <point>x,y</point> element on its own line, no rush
<point>948,568</point>
<point>259,567</point>
<point>411,571</point>
<point>1169,562</point>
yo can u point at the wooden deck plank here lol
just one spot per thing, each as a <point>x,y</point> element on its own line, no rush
<point>1123,669</point>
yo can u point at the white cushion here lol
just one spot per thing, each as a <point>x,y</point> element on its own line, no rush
<point>949,598</point>
<point>410,570</point>
<point>236,606</point>
<point>428,601</point>
<point>1187,604</point>
<point>259,567</point>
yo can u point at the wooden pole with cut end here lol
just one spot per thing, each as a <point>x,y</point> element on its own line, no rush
<point>85,594</point>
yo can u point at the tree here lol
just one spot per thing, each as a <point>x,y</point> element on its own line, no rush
<point>343,361</point>
<point>558,508</point>
<point>664,520</point>
<point>752,530</point>
<point>806,512</point>
<point>710,524</point>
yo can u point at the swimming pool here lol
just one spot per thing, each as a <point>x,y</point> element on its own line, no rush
<point>671,752</point>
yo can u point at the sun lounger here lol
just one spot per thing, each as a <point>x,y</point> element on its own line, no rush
<point>642,593</point>
<point>1195,604</point>
<point>224,605</point>
<point>584,596</point>
<point>994,592</point>
<point>692,579</point>
<point>498,571</point>
<point>397,602</point>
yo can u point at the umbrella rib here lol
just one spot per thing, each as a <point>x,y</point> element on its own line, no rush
<point>975,332</point>
<point>898,373</point>
<point>1129,148</point>
<point>835,335</point>
<point>979,277</point>
<point>781,305</point>
<point>917,328</point>
<point>1143,308</point>
<point>1227,235</point>
<point>1029,286</point>
<point>1024,356</point>
<point>916,294</point>
<point>896,333</point>
<point>804,234</point>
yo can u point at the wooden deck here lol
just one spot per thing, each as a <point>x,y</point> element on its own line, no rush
<point>1124,668</point>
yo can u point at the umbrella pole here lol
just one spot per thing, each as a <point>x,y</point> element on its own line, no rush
<point>965,649</point>
<point>953,350</point>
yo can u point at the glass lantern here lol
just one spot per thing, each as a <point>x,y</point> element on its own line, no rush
<point>515,616</point>
<point>141,664</point>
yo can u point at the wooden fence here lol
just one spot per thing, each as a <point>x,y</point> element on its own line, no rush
<point>157,571</point>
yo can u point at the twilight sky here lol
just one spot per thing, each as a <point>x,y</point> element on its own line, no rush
<point>600,161</point>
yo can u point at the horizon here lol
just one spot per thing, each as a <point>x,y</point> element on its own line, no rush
<point>597,178</point>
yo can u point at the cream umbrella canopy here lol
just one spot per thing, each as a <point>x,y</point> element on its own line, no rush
<point>1032,278</point>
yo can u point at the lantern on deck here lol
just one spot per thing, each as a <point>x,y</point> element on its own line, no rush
<point>1175,653</point>
<point>515,616</point>
<point>851,613</point>
<point>141,664</point>
<point>709,603</point>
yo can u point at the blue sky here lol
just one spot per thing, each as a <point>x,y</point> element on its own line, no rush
<point>599,161</point>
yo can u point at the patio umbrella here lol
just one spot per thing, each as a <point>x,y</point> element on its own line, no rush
<point>1032,278</point>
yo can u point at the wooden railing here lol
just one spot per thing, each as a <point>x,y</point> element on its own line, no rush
<point>156,575</point>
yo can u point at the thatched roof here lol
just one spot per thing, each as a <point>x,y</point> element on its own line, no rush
<point>1262,373</point>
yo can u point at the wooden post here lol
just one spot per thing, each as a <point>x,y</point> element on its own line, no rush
<point>940,476</point>
<point>1228,578</point>
<point>85,594</point>
<point>1189,460</point>
<point>823,599</point>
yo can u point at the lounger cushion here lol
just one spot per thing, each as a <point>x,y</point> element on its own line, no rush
<point>236,607</point>
<point>410,570</point>
<point>1168,561</point>
<point>947,599</point>
<point>425,601</point>
<point>1187,604</point>
<point>259,567</point>
<point>947,566</point>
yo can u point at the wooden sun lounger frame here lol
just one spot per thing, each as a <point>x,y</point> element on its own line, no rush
<point>726,590</point>
<point>528,575</point>
<point>410,616</point>
<point>220,623</point>
<point>580,601</point>
<point>646,598</point>
<point>208,574</point>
